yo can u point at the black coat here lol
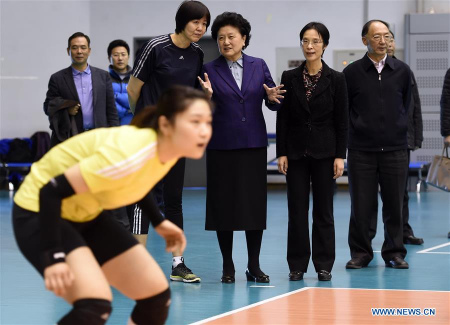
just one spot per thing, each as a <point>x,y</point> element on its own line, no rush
<point>415,123</point>
<point>317,128</point>
<point>445,106</point>
<point>61,85</point>
<point>378,105</point>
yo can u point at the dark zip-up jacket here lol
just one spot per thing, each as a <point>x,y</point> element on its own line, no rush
<point>445,106</point>
<point>378,105</point>
<point>415,122</point>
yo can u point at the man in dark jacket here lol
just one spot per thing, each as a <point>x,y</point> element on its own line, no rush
<point>89,87</point>
<point>80,98</point>
<point>379,89</point>
<point>445,112</point>
<point>415,139</point>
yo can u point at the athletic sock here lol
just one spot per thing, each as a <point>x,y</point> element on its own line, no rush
<point>177,260</point>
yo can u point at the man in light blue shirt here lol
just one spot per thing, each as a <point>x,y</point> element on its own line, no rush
<point>83,83</point>
<point>80,86</point>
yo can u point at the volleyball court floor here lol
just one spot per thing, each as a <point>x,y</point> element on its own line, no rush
<point>419,295</point>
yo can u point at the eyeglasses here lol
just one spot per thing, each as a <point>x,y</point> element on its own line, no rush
<point>314,42</point>
<point>387,38</point>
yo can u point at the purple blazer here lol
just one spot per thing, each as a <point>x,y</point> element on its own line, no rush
<point>238,120</point>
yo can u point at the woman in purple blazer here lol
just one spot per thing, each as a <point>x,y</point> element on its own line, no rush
<point>237,153</point>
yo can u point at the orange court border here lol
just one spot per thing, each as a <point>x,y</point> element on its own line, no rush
<point>339,306</point>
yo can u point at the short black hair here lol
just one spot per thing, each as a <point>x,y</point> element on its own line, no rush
<point>190,10</point>
<point>321,29</point>
<point>116,43</point>
<point>366,26</point>
<point>232,19</point>
<point>78,34</point>
<point>392,33</point>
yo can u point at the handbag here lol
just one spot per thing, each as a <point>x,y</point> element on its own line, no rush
<point>439,172</point>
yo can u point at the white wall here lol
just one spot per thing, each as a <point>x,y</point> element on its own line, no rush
<point>33,46</point>
<point>34,36</point>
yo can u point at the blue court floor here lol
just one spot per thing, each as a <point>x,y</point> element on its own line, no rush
<point>25,301</point>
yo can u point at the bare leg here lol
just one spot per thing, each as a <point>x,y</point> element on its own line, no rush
<point>135,273</point>
<point>90,282</point>
<point>142,239</point>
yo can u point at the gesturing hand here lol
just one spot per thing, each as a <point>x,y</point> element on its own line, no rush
<point>206,85</point>
<point>274,93</point>
<point>174,236</point>
<point>58,278</point>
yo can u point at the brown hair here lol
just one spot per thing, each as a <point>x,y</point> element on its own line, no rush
<point>173,101</point>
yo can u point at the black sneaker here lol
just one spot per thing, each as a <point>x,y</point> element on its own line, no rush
<point>182,273</point>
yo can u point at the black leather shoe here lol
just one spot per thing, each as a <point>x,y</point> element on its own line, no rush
<point>227,279</point>
<point>263,278</point>
<point>397,263</point>
<point>356,263</point>
<point>411,240</point>
<point>296,276</point>
<point>324,275</point>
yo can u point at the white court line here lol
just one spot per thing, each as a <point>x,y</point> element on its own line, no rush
<point>433,248</point>
<point>249,306</point>
<point>256,286</point>
<point>378,289</point>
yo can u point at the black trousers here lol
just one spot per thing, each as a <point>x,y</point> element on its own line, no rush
<point>407,229</point>
<point>365,171</point>
<point>168,194</point>
<point>300,174</point>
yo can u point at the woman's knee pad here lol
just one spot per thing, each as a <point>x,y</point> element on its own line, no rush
<point>88,311</point>
<point>153,310</point>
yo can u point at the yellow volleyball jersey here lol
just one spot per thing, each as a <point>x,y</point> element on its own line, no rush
<point>120,165</point>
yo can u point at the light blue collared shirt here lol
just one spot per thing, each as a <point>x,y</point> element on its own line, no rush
<point>83,83</point>
<point>237,70</point>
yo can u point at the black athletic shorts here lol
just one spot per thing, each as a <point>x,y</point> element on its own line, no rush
<point>103,235</point>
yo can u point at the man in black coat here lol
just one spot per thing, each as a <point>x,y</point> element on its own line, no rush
<point>445,112</point>
<point>80,97</point>
<point>415,139</point>
<point>379,89</point>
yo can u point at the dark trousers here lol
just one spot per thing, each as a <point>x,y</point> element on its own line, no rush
<point>300,174</point>
<point>407,229</point>
<point>365,171</point>
<point>168,195</point>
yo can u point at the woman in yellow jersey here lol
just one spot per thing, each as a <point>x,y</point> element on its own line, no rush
<point>59,220</point>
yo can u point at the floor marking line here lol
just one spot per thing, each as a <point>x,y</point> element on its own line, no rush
<point>433,248</point>
<point>255,286</point>
<point>379,289</point>
<point>249,306</point>
<point>436,253</point>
